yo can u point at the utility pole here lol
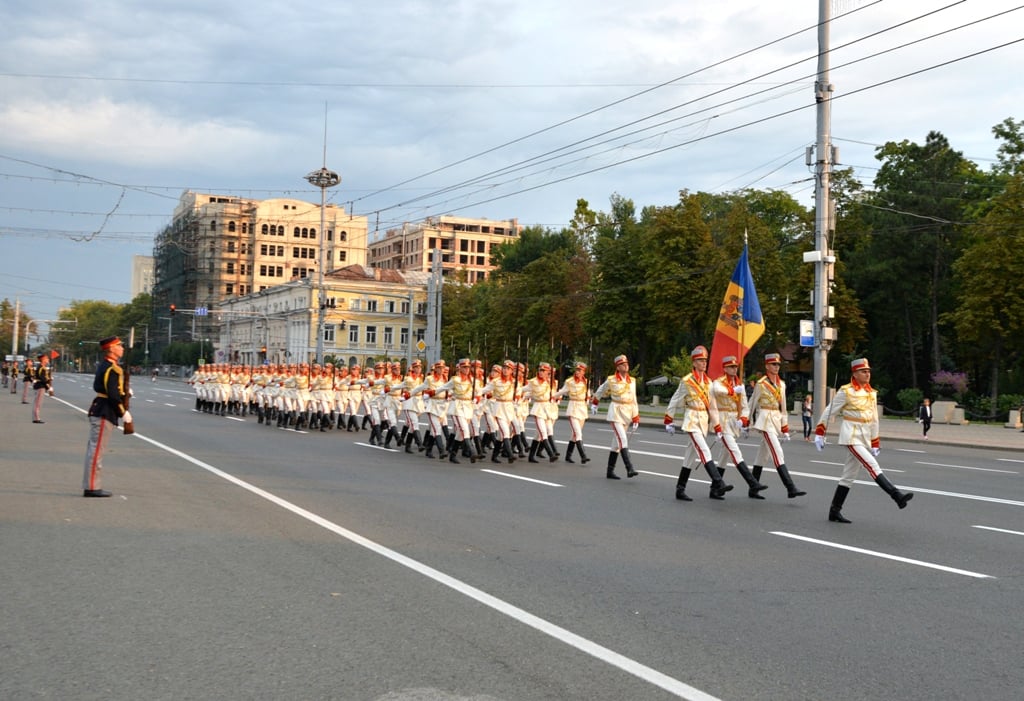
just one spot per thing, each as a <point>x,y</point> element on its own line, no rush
<point>322,179</point>
<point>434,286</point>
<point>824,214</point>
<point>17,315</point>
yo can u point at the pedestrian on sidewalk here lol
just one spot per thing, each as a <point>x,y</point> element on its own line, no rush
<point>104,413</point>
<point>808,416</point>
<point>857,404</point>
<point>924,417</point>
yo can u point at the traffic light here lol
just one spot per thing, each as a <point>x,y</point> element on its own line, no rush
<point>263,349</point>
<point>173,309</point>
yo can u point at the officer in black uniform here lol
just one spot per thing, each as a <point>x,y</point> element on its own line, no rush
<point>106,410</point>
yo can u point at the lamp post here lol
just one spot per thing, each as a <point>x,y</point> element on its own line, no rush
<point>322,179</point>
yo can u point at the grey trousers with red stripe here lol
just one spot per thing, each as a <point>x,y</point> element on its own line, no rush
<point>99,431</point>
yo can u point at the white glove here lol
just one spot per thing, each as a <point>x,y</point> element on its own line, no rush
<point>876,451</point>
<point>670,429</point>
<point>745,434</point>
<point>718,436</point>
<point>131,392</point>
<point>593,409</point>
<point>786,437</point>
<point>819,442</point>
<point>739,425</point>
<point>919,421</point>
<point>127,418</point>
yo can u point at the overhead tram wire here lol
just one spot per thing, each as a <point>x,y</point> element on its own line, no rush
<point>520,165</point>
<point>611,104</point>
<point>739,126</point>
<point>565,163</point>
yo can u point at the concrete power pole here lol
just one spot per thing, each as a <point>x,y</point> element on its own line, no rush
<point>434,286</point>
<point>824,220</point>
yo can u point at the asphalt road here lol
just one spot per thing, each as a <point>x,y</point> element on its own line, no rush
<point>238,561</point>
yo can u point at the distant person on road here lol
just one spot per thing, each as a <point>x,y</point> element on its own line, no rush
<point>43,385</point>
<point>27,380</point>
<point>106,410</point>
<point>857,404</point>
<point>808,416</point>
<point>924,417</point>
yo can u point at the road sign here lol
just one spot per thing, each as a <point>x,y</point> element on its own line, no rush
<point>421,346</point>
<point>201,311</point>
<point>806,333</point>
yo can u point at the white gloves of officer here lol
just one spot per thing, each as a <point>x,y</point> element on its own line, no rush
<point>131,392</point>
<point>786,437</point>
<point>593,409</point>
<point>670,429</point>
<point>876,451</point>
<point>127,418</point>
<point>819,442</point>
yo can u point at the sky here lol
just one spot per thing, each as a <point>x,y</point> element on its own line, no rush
<point>479,108</point>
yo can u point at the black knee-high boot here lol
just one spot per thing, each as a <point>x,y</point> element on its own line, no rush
<point>552,449</point>
<point>718,485</point>
<point>506,445</point>
<point>568,451</point>
<point>901,498</point>
<point>612,459</point>
<point>440,443</point>
<point>453,451</point>
<point>478,445</point>
<point>684,477</point>
<point>496,451</point>
<point>366,420</point>
<point>753,485</point>
<point>835,512</point>
<point>408,442</point>
<point>630,470</point>
<point>583,456</point>
<point>534,447</point>
<point>405,432</point>
<point>791,491</point>
<point>428,445</point>
<point>753,493</point>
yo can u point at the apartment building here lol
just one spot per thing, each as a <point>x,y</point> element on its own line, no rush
<point>465,244</point>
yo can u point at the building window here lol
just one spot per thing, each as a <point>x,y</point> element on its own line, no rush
<point>353,334</point>
<point>231,246</point>
<point>230,267</point>
<point>371,306</point>
<point>421,307</point>
<point>312,233</point>
<point>389,306</point>
<point>371,335</point>
<point>280,271</point>
<point>330,234</point>
<point>343,236</point>
<point>263,270</point>
<point>241,289</point>
<point>389,336</point>
<point>262,287</point>
<point>265,229</point>
<point>403,337</point>
<point>295,233</point>
<point>213,225</point>
<point>328,333</point>
<point>231,226</point>
<point>341,256</point>
<point>405,307</point>
<point>229,289</point>
<point>420,334</point>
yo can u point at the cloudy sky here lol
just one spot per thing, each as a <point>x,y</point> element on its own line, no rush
<point>490,108</point>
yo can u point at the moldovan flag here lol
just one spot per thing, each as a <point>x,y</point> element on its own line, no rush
<point>739,322</point>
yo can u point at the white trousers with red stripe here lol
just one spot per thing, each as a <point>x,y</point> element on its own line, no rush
<point>859,456</point>
<point>770,448</point>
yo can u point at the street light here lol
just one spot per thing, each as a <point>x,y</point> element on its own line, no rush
<point>322,179</point>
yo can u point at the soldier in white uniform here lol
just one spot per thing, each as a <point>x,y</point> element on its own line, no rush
<point>772,422</point>
<point>728,395</point>
<point>436,407</point>
<point>463,405</point>
<point>693,396</point>
<point>412,407</point>
<point>623,411</point>
<point>501,389</point>
<point>538,391</point>
<point>857,404</point>
<point>577,390</point>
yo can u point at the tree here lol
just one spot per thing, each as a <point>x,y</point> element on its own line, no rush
<point>989,314</point>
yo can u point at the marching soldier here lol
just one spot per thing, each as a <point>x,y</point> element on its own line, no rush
<point>412,407</point>
<point>436,407</point>
<point>772,421</point>
<point>622,411</point>
<point>857,404</point>
<point>461,388</point>
<point>538,391</point>
<point>578,392</point>
<point>501,389</point>
<point>729,397</point>
<point>699,413</point>
<point>394,388</point>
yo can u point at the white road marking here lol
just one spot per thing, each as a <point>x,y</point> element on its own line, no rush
<point>967,467</point>
<point>151,401</point>
<point>1008,460</point>
<point>606,655</point>
<point>908,450</point>
<point>520,477</point>
<point>999,530</point>
<point>166,404</point>
<point>886,556</point>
